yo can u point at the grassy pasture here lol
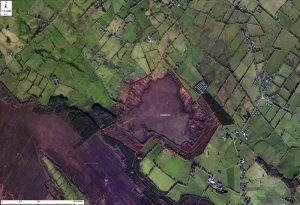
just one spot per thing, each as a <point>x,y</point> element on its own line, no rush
<point>173,165</point>
<point>160,179</point>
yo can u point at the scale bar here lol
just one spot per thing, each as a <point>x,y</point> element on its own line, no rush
<point>42,202</point>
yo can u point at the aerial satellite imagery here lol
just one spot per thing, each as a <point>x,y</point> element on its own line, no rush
<point>150,102</point>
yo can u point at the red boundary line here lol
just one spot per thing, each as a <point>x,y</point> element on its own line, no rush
<point>213,127</point>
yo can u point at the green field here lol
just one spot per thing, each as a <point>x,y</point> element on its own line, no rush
<point>160,179</point>
<point>174,166</point>
<point>63,185</point>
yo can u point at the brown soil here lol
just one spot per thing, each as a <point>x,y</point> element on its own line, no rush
<point>161,111</point>
<point>92,167</point>
<point>162,108</point>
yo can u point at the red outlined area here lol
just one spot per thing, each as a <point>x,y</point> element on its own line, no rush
<point>138,147</point>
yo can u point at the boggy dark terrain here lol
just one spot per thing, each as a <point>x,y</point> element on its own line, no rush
<point>19,164</point>
<point>163,109</point>
<point>92,167</point>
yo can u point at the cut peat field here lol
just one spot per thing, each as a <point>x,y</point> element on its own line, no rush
<point>163,110</point>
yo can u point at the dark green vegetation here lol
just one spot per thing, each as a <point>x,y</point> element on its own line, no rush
<point>84,123</point>
<point>223,117</point>
<point>246,51</point>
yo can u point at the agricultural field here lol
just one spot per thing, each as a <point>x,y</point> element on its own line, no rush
<point>165,168</point>
<point>187,102</point>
